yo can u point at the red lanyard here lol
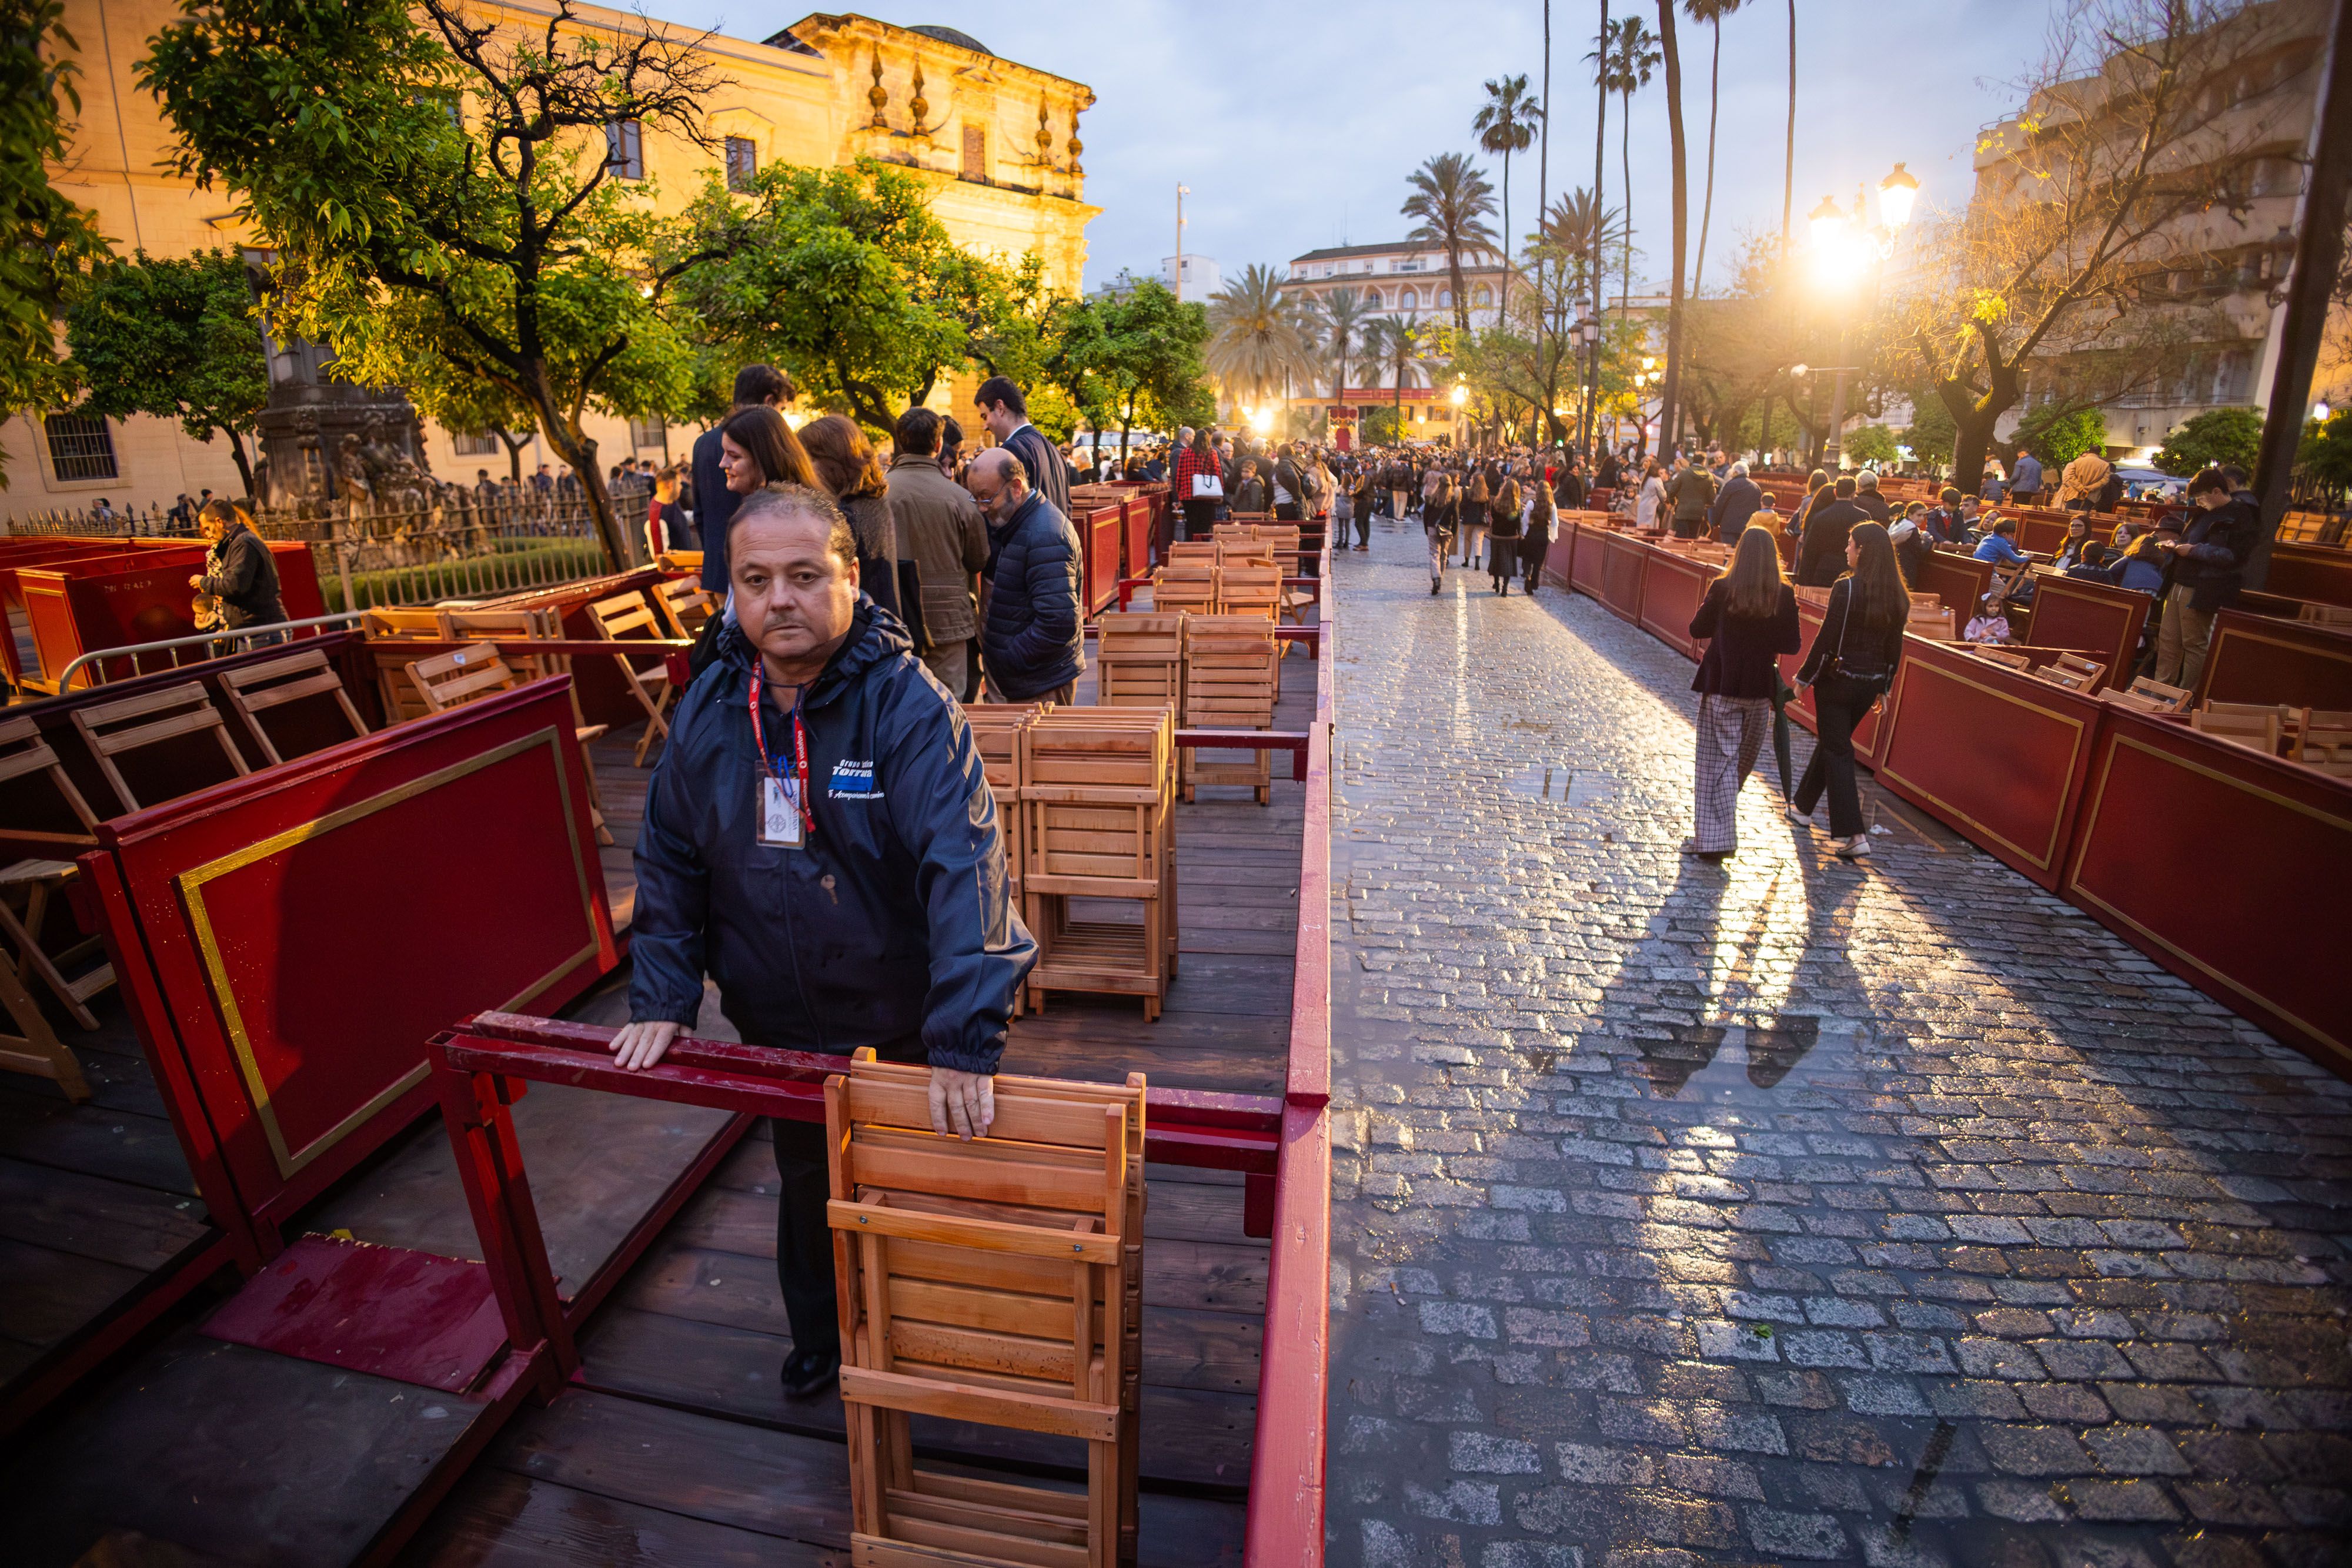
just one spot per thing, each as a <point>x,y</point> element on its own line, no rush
<point>800,751</point>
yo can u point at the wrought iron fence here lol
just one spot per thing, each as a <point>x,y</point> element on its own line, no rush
<point>466,546</point>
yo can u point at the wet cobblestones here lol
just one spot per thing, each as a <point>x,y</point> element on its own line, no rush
<point>1785,1211</point>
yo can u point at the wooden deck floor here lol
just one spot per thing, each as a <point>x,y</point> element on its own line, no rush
<point>679,1448</point>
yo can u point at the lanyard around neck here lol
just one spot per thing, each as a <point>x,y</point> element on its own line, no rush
<point>800,751</point>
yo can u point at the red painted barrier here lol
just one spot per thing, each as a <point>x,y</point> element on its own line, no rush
<point>2258,659</point>
<point>2069,612</point>
<point>2321,573</point>
<point>1672,588</point>
<point>240,918</point>
<point>83,606</point>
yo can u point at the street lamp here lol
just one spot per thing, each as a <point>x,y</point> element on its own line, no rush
<point>1460,394</point>
<point>1896,194</point>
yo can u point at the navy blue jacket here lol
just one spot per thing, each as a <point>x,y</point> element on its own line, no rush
<point>892,928</point>
<point>1734,505</point>
<point>1033,640</point>
<point>714,503</point>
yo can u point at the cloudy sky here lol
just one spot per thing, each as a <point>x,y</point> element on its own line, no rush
<point>1295,125</point>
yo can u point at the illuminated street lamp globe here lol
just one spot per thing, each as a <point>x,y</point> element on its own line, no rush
<point>1461,394</point>
<point>1828,221</point>
<point>1896,194</point>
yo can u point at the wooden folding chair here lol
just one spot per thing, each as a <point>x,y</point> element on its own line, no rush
<point>1185,585</point>
<point>2150,695</point>
<point>628,616</point>
<point>173,711</point>
<point>401,625</point>
<point>2073,672</point>
<point>2246,724</point>
<point>685,605</point>
<point>536,626</point>
<point>24,752</point>
<point>459,677</point>
<point>1140,659</point>
<point>1233,675</point>
<point>1249,588</point>
<point>997,1281</point>
<point>255,689</point>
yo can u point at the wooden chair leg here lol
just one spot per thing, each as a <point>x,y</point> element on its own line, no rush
<point>33,963</point>
<point>37,1050</point>
<point>595,796</point>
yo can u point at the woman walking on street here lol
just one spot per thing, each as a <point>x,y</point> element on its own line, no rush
<point>1503,527</point>
<point>1474,496</point>
<point>1360,501</point>
<point>1535,535</point>
<point>1653,496</point>
<point>1439,513</point>
<point>1850,667</point>
<point>1200,483</point>
<point>1750,615</point>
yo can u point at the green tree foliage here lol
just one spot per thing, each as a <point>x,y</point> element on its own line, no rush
<point>2326,452</point>
<point>177,339</point>
<point>844,278</point>
<point>1451,203</point>
<point>441,199</point>
<point>49,241</point>
<point>1256,337</point>
<point>1930,433</point>
<point>1382,426</point>
<point>2217,435</point>
<point>1873,444</point>
<point>2058,434</point>
<point>1152,367</point>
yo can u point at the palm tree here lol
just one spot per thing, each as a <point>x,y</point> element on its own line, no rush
<point>1253,333</point>
<point>1453,201</point>
<point>1600,189</point>
<point>1506,124</point>
<point>1711,12</point>
<point>1577,227</point>
<point>1624,62</point>
<point>1670,386</point>
<point>1398,343</point>
<point>1347,321</point>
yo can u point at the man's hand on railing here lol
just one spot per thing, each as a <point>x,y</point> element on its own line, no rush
<point>640,1045</point>
<point>962,1102</point>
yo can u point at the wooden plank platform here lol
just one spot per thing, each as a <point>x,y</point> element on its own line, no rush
<point>679,1448</point>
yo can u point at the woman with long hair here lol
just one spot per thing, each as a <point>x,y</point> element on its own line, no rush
<point>1652,496</point>
<point>1473,496</point>
<point>1850,667</point>
<point>1750,619</point>
<point>756,448</point>
<point>1535,534</point>
<point>849,468</point>
<point>1505,515</point>
<point>1439,511</point>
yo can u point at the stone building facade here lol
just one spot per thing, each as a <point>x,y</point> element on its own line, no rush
<point>996,144</point>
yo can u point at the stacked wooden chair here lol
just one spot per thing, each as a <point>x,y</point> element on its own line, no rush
<point>1233,677</point>
<point>1097,788</point>
<point>2256,725</point>
<point>2006,658</point>
<point>1186,583</point>
<point>1931,620</point>
<point>996,734</point>
<point>1140,659</point>
<point>687,604</point>
<point>135,723</point>
<point>1249,586</point>
<point>998,1282</point>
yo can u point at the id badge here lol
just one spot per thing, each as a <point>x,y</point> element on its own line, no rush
<point>779,824</point>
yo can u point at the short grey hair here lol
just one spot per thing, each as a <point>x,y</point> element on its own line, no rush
<point>1739,470</point>
<point>784,499</point>
<point>1183,435</point>
<point>1866,480</point>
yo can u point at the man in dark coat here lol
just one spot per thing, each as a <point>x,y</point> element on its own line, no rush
<point>714,502</point>
<point>2209,565</point>
<point>835,864</point>
<point>1820,554</point>
<point>1735,504</point>
<point>1004,409</point>
<point>1866,497</point>
<point>1032,638</point>
<point>1691,492</point>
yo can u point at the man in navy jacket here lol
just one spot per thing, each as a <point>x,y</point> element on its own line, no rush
<point>836,867</point>
<point>1032,637</point>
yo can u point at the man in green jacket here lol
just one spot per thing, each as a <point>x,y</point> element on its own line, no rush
<point>1692,492</point>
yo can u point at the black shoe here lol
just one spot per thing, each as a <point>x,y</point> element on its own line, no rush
<point>808,1373</point>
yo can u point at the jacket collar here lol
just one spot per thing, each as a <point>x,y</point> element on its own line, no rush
<point>875,636</point>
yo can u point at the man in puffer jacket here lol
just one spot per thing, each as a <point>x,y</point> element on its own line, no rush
<point>1032,642</point>
<point>835,864</point>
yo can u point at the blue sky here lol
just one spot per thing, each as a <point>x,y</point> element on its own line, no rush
<point>1295,125</point>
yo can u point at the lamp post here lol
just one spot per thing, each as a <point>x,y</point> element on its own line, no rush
<point>1588,335</point>
<point>1843,247</point>
<point>1182,191</point>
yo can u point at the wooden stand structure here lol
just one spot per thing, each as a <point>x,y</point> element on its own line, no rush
<point>996,734</point>
<point>997,1281</point>
<point>1140,660</point>
<point>1098,793</point>
<point>1233,676</point>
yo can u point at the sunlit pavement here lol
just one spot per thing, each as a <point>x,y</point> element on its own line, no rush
<point>1784,1211</point>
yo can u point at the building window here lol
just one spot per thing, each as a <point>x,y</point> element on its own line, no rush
<point>1409,300</point>
<point>471,444</point>
<point>1445,297</point>
<point>975,152</point>
<point>80,446</point>
<point>742,162</point>
<point>1372,296</point>
<point>624,150</point>
<point>645,432</point>
<point>1485,296</point>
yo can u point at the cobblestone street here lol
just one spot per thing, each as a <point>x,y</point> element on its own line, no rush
<point>1784,1210</point>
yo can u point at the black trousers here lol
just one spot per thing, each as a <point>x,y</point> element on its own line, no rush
<point>1363,522</point>
<point>1200,519</point>
<point>1839,706</point>
<point>803,1239</point>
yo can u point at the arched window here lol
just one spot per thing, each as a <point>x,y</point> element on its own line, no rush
<point>1485,296</point>
<point>1409,300</point>
<point>1375,298</point>
<point>1445,297</point>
